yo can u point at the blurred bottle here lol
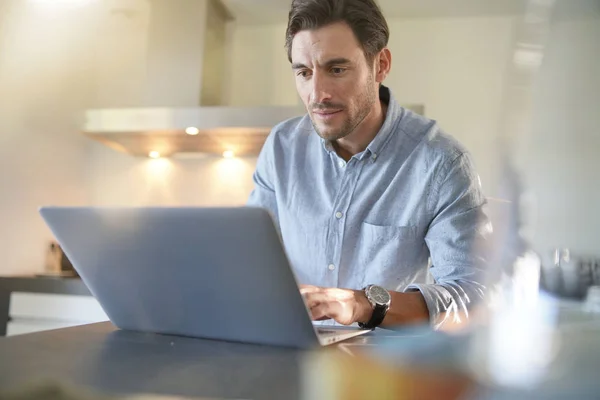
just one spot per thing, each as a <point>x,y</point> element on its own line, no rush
<point>57,263</point>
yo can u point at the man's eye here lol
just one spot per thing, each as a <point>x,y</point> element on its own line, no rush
<point>337,71</point>
<point>304,74</point>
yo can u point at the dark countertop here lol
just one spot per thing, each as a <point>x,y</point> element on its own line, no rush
<point>39,284</point>
<point>103,358</point>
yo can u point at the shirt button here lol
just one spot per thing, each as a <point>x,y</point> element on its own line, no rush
<point>342,164</point>
<point>331,267</point>
<point>339,215</point>
<point>374,156</point>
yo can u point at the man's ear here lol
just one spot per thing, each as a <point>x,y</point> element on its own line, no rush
<point>383,64</point>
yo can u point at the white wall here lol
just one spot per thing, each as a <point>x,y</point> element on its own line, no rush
<point>561,157</point>
<point>259,69</point>
<point>44,85</point>
<point>454,66</point>
<point>121,180</point>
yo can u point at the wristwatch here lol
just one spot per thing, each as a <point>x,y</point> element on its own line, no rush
<point>380,299</point>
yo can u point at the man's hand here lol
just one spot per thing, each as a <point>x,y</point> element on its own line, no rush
<point>345,306</point>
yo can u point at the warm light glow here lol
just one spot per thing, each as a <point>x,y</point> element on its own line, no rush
<point>158,169</point>
<point>62,2</point>
<point>231,177</point>
<point>154,154</point>
<point>155,179</point>
<point>192,131</point>
<point>228,154</point>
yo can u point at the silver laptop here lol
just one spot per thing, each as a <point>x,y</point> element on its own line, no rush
<point>217,273</point>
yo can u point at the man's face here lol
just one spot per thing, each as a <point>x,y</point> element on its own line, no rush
<point>333,78</point>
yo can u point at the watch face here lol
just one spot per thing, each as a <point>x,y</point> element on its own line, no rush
<point>379,295</point>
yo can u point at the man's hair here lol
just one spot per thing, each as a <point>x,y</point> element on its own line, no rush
<point>364,17</point>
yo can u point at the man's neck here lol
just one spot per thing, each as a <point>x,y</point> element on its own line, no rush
<point>364,133</point>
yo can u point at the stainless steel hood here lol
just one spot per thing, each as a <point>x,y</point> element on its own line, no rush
<point>163,132</point>
<point>162,70</point>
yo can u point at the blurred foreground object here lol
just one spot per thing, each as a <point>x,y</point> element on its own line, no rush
<point>358,375</point>
<point>57,391</point>
<point>538,336</point>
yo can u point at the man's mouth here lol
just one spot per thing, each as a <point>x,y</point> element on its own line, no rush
<point>326,113</point>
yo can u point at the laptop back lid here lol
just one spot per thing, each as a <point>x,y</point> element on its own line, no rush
<point>218,273</point>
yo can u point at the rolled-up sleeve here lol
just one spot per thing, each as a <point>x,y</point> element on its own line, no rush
<point>456,240</point>
<point>263,195</point>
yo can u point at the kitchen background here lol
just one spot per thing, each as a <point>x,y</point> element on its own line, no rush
<point>59,58</point>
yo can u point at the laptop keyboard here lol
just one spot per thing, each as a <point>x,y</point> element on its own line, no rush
<point>326,331</point>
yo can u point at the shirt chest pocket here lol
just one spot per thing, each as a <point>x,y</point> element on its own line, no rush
<point>385,252</point>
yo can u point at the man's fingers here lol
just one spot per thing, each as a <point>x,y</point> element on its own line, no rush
<point>313,299</point>
<point>320,312</point>
<point>304,289</point>
<point>330,303</point>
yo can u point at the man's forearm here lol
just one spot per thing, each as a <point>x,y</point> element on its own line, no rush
<point>405,308</point>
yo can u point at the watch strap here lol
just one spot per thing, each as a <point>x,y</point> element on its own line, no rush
<point>377,318</point>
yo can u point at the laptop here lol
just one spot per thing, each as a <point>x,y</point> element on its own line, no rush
<point>215,273</point>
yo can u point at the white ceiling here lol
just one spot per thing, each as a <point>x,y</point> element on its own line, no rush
<point>275,11</point>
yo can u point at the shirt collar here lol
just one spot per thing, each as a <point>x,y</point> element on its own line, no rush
<point>394,112</point>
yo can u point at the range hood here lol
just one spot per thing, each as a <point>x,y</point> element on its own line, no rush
<point>165,132</point>
<point>162,71</point>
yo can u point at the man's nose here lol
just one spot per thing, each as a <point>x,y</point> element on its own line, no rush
<point>321,91</point>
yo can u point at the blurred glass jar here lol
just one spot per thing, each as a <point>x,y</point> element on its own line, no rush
<point>570,276</point>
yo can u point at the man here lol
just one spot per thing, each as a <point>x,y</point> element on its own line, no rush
<point>364,191</point>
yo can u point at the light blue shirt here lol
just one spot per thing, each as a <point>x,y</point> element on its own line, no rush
<point>410,197</point>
